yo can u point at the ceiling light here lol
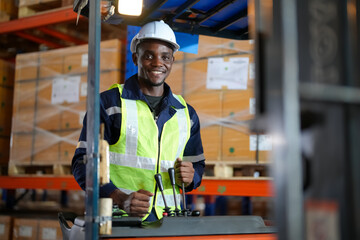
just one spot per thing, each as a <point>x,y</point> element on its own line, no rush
<point>130,7</point>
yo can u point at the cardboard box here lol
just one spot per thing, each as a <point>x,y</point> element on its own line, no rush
<point>21,148</point>
<point>208,105</point>
<point>196,74</point>
<point>25,229</point>
<point>214,46</point>
<point>5,227</point>
<point>238,105</point>
<point>211,140</point>
<point>175,79</point>
<point>54,147</point>
<point>49,230</point>
<point>77,61</point>
<point>26,66</point>
<point>51,64</point>
<point>7,72</point>
<point>236,145</point>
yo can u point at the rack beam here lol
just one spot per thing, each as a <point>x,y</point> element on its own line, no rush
<point>39,20</point>
<point>53,183</point>
<point>229,187</point>
<point>226,187</point>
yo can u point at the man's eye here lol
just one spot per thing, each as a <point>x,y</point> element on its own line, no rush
<point>148,56</point>
<point>166,58</point>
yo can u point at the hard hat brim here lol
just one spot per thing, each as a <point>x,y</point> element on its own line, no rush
<point>135,42</point>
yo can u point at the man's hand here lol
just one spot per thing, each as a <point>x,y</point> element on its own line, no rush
<point>136,204</point>
<point>184,172</point>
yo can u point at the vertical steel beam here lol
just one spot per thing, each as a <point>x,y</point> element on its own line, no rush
<point>93,123</point>
<point>353,113</point>
<point>279,83</point>
<point>291,156</point>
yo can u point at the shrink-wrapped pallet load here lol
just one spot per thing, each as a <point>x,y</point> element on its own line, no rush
<point>50,103</point>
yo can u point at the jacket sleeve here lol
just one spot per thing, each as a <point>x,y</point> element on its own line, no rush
<point>194,150</point>
<point>112,126</point>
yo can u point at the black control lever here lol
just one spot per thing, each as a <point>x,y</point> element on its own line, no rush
<point>158,180</point>
<point>171,172</point>
<point>185,211</point>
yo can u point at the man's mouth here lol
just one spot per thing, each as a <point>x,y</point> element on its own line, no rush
<point>157,72</point>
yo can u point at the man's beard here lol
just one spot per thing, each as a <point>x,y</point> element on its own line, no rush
<point>152,84</point>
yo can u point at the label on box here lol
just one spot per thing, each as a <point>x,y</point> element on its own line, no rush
<point>265,143</point>
<point>252,106</point>
<point>83,89</point>
<point>251,70</point>
<point>48,233</point>
<point>232,74</point>
<point>65,90</point>
<point>81,117</point>
<point>25,231</point>
<point>84,60</point>
<point>2,229</point>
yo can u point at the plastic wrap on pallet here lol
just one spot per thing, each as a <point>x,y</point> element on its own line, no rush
<point>50,102</point>
<point>219,83</point>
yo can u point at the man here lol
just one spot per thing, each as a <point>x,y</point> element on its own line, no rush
<point>149,130</point>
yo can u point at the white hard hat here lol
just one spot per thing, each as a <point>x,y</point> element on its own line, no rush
<point>155,30</point>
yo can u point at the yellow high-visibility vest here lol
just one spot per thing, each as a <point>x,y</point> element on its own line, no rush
<point>139,155</point>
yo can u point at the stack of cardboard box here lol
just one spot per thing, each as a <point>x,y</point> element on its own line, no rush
<point>50,102</point>
<point>219,83</point>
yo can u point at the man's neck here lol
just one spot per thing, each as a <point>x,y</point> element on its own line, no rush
<point>155,91</point>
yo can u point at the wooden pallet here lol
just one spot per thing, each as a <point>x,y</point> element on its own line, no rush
<point>31,7</point>
<point>49,170</point>
<point>227,170</point>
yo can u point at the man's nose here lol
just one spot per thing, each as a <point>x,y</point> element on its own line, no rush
<point>156,61</point>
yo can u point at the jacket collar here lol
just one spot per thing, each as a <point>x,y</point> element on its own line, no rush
<point>132,91</point>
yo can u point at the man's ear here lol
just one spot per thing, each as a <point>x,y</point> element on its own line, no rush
<point>134,58</point>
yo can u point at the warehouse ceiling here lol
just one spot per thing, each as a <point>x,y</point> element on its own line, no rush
<point>56,28</point>
<point>221,18</point>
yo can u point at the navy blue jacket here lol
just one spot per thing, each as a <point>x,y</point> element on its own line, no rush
<point>110,115</point>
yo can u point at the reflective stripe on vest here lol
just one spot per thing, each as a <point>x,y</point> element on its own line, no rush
<point>139,155</point>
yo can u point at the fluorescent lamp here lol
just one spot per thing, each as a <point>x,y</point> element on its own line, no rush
<point>130,7</point>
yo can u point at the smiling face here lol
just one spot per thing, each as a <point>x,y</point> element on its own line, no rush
<point>154,59</point>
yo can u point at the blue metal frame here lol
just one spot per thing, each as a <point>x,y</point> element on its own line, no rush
<point>93,123</point>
